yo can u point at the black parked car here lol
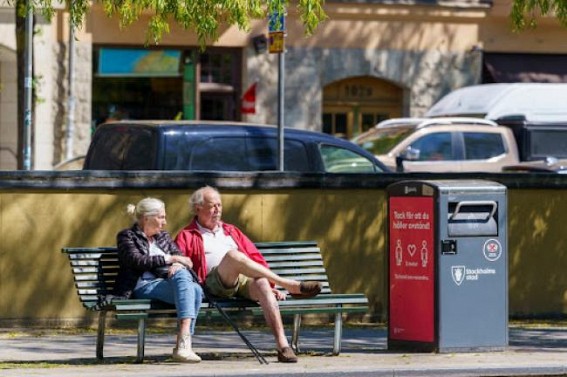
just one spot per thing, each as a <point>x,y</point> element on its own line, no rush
<point>221,146</point>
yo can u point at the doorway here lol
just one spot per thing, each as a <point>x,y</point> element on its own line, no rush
<point>352,106</point>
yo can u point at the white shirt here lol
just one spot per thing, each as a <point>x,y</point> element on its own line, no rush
<point>216,245</point>
<point>147,276</point>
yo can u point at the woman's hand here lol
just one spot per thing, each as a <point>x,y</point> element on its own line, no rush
<point>172,270</point>
<point>185,261</point>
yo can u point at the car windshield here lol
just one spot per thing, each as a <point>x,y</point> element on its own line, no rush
<point>379,141</point>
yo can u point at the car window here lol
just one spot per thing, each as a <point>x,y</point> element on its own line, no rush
<point>234,153</point>
<point>545,143</point>
<point>263,154</point>
<point>381,141</point>
<point>107,150</point>
<point>177,150</point>
<point>122,148</point>
<point>434,147</point>
<point>295,156</point>
<point>140,152</point>
<point>483,145</point>
<point>219,154</point>
<point>341,160</point>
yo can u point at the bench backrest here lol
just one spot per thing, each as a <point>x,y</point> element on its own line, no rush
<point>95,268</point>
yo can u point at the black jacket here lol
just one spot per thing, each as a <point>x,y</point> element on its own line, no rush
<point>134,257</point>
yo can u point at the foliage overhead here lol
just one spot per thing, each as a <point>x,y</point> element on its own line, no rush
<point>526,12</point>
<point>202,16</point>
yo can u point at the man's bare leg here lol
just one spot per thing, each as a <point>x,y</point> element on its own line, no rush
<point>235,263</point>
<point>261,291</point>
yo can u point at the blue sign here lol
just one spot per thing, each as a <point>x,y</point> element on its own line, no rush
<point>276,22</point>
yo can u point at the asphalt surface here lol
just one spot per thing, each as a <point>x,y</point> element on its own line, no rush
<point>534,350</point>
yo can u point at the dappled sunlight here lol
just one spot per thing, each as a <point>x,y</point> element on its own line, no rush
<point>537,251</point>
<point>540,226</point>
<point>350,226</point>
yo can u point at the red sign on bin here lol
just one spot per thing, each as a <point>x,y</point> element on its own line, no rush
<point>411,269</point>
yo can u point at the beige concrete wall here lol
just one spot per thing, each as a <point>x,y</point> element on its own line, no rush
<point>349,225</point>
<point>8,112</point>
<point>367,26</point>
<point>8,90</point>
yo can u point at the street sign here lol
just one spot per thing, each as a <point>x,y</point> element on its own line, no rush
<point>276,22</point>
<point>277,42</point>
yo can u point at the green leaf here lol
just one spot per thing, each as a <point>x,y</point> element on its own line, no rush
<point>204,17</point>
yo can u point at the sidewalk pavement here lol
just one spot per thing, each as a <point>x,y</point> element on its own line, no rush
<point>533,350</point>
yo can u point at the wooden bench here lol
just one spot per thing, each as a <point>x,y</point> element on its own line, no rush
<point>95,269</point>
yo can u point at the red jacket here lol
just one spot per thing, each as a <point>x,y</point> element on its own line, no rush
<point>191,244</point>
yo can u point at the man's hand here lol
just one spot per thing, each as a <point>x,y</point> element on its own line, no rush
<point>280,296</point>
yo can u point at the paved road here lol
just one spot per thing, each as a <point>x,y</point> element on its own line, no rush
<point>533,351</point>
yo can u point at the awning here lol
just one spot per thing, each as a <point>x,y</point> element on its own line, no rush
<point>507,68</point>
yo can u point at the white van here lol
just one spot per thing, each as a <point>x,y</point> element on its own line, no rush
<point>535,112</point>
<point>535,102</point>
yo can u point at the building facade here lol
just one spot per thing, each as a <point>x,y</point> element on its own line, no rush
<point>369,61</point>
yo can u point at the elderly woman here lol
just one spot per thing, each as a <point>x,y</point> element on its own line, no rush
<point>152,267</point>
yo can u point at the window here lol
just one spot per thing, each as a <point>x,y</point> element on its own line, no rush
<point>221,154</point>
<point>545,143</point>
<point>335,124</point>
<point>218,67</point>
<point>381,141</point>
<point>263,155</point>
<point>140,153</point>
<point>232,153</point>
<point>220,84</point>
<point>482,146</point>
<point>108,149</point>
<point>340,160</point>
<point>119,148</point>
<point>434,147</point>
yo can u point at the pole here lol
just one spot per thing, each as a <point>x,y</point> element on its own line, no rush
<point>28,78</point>
<point>281,77</point>
<point>213,302</point>
<point>70,95</point>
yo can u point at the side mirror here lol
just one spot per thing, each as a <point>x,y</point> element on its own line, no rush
<point>410,154</point>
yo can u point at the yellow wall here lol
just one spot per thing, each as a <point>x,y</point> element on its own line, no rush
<point>35,279</point>
<point>350,226</point>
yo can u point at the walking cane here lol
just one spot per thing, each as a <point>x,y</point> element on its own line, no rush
<point>254,350</point>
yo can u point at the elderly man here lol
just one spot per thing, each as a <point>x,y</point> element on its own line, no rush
<point>230,265</point>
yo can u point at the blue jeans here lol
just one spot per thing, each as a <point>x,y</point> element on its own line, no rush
<point>180,290</point>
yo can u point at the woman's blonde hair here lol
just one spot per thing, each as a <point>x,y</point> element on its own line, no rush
<point>145,207</point>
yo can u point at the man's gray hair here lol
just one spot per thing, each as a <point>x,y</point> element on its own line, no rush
<point>198,198</point>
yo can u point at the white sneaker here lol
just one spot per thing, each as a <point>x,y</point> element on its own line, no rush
<point>183,351</point>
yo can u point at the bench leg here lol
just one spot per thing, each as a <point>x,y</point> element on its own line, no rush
<point>100,335</point>
<point>295,333</point>
<point>338,333</point>
<point>141,340</point>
